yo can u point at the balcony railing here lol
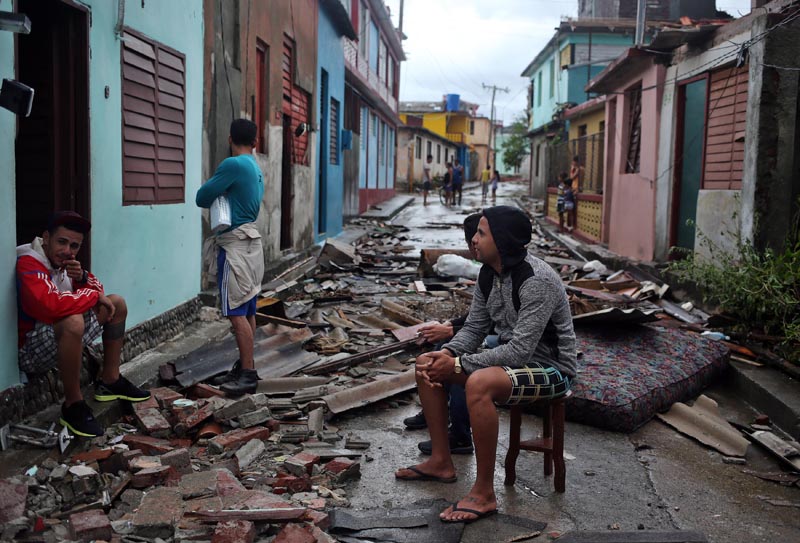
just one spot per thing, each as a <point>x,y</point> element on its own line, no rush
<point>360,65</point>
<point>590,151</point>
<point>456,138</point>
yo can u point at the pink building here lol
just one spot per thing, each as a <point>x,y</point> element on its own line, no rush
<point>634,86</point>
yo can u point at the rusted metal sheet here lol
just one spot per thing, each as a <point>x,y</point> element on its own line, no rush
<point>289,385</point>
<point>615,315</point>
<point>334,365</point>
<point>399,312</point>
<point>411,332</point>
<point>372,392</point>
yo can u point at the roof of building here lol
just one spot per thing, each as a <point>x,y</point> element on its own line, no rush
<point>437,107</point>
<point>587,107</point>
<point>340,17</point>
<point>428,133</point>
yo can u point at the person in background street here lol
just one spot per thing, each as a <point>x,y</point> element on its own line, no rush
<point>62,308</point>
<point>560,209</point>
<point>447,182</point>
<point>458,180</point>
<point>426,179</point>
<point>495,182</point>
<point>576,171</point>
<point>486,175</point>
<point>459,435</point>
<point>569,205</point>
<point>536,358</point>
<point>235,255</point>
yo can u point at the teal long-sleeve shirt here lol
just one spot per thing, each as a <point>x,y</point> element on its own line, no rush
<point>240,179</point>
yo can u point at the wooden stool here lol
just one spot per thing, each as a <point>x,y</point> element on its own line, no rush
<point>551,443</point>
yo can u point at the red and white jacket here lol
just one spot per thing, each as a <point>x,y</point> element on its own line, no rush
<point>47,295</point>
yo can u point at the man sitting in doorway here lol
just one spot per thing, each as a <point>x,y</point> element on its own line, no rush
<point>63,307</point>
<point>525,301</point>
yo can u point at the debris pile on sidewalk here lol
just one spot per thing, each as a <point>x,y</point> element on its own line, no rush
<point>194,466</point>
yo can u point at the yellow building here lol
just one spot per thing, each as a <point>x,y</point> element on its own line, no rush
<point>464,128</point>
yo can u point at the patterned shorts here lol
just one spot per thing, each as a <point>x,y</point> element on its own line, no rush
<point>40,351</point>
<point>535,382</point>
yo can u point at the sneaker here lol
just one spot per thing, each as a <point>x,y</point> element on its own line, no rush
<point>457,446</point>
<point>227,377</point>
<point>79,419</point>
<point>245,383</point>
<point>417,422</point>
<point>121,390</point>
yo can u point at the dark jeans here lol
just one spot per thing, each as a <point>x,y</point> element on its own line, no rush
<point>457,189</point>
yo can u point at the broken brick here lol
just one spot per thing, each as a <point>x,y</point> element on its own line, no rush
<point>179,459</point>
<point>191,421</point>
<point>254,499</point>
<point>231,464</point>
<point>293,484</point>
<point>252,418</point>
<point>152,476</point>
<point>212,503</point>
<point>149,403</point>
<point>343,468</point>
<point>144,462</point>
<point>247,404</point>
<point>92,455</point>
<point>12,500</point>
<point>317,518</point>
<point>165,396</point>
<point>202,390</point>
<point>236,438</point>
<point>209,430</point>
<point>301,463</point>
<point>147,444</point>
<point>294,533</point>
<point>119,461</point>
<point>219,482</point>
<point>151,420</point>
<point>90,525</point>
<point>234,531</point>
<point>160,511</point>
<point>320,536</point>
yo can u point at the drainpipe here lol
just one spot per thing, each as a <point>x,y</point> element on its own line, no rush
<point>120,18</point>
<point>641,13</point>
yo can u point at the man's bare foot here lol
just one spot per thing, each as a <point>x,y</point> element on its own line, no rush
<point>470,509</point>
<point>427,471</point>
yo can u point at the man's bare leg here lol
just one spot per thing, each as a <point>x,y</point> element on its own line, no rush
<point>69,337</point>
<point>434,406</point>
<point>113,337</point>
<point>244,331</point>
<point>484,388</point>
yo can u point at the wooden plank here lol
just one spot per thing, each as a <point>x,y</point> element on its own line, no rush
<point>169,127</point>
<point>137,105</point>
<point>143,63</point>
<point>138,120</point>
<point>131,88</point>
<point>170,87</point>
<point>167,181</point>
<point>358,358</point>
<point>172,75</point>
<point>140,180</point>
<point>143,165</point>
<point>272,515</point>
<point>170,114</point>
<point>132,73</point>
<point>139,150</point>
<point>135,134</point>
<point>143,48</point>
<point>173,61</point>
<point>271,319</point>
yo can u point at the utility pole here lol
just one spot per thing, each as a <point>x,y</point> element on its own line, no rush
<point>641,14</point>
<point>492,155</point>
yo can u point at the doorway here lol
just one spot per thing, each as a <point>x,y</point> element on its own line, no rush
<point>691,132</point>
<point>52,145</point>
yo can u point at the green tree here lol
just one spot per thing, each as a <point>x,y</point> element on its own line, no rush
<point>515,145</point>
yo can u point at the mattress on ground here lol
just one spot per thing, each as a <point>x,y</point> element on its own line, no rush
<point>628,374</point>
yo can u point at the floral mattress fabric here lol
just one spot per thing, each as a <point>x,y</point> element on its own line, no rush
<point>628,374</point>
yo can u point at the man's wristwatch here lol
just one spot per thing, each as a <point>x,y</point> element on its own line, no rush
<point>457,368</point>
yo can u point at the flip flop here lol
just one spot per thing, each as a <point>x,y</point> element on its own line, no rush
<point>478,514</point>
<point>421,476</point>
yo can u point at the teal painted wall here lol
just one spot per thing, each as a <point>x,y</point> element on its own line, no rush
<point>9,373</point>
<point>330,57</point>
<point>148,254</point>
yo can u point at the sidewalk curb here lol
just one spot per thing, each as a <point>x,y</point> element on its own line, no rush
<point>771,392</point>
<point>388,214</point>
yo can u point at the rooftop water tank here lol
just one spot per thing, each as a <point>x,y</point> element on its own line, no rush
<point>451,102</point>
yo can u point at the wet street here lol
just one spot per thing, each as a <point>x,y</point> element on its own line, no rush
<point>652,479</point>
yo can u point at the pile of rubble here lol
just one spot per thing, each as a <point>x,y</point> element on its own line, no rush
<point>200,467</point>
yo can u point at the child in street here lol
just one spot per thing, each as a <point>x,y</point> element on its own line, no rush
<point>426,179</point>
<point>495,182</point>
<point>485,176</point>
<point>569,204</point>
<point>448,184</point>
<point>560,209</point>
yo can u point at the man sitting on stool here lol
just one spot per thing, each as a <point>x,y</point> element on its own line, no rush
<point>62,307</point>
<point>536,359</point>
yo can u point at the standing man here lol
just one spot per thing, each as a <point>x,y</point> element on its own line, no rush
<point>426,179</point>
<point>239,260</point>
<point>62,308</point>
<point>458,180</point>
<point>526,302</point>
<point>486,175</point>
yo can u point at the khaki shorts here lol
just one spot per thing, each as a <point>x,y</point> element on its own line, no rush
<point>40,351</point>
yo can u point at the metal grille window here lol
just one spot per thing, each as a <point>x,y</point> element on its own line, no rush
<point>153,121</point>
<point>634,130</point>
<point>334,136</point>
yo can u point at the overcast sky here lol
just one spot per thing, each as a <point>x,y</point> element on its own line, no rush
<point>456,46</point>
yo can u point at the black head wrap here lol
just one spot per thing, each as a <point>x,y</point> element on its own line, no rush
<point>511,230</point>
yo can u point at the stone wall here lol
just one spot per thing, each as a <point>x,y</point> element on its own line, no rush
<point>44,390</point>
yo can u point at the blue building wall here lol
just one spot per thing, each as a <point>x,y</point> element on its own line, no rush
<point>372,150</point>
<point>150,254</point>
<point>567,85</point>
<point>330,58</point>
<point>364,143</point>
<point>9,373</point>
